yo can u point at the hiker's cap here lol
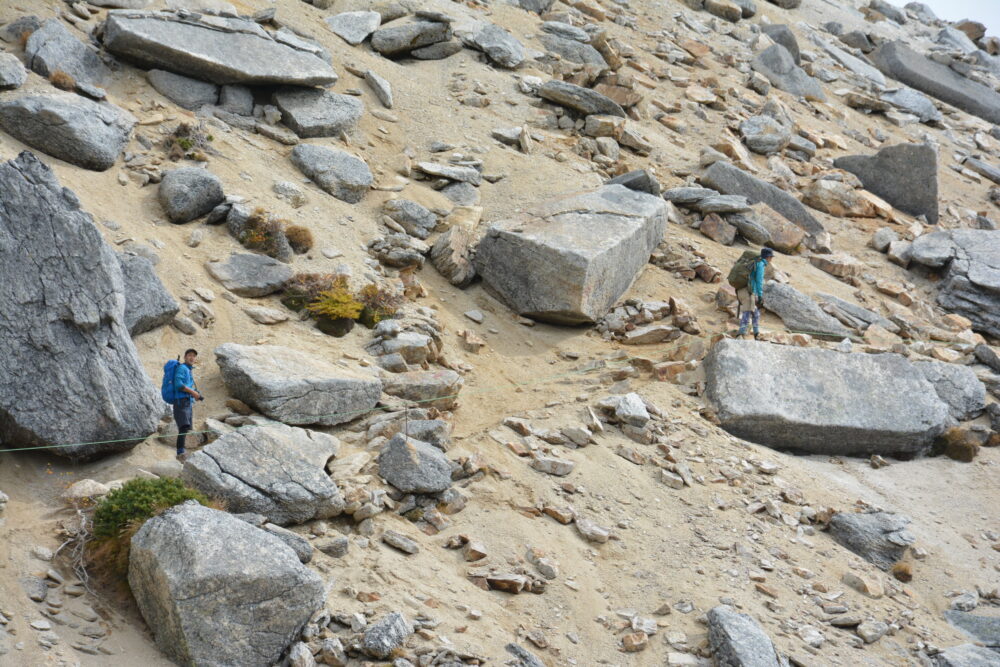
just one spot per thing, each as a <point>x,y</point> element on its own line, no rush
<point>766,253</point>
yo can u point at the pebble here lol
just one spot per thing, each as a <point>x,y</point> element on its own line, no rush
<point>872,631</point>
<point>475,315</point>
<point>400,541</point>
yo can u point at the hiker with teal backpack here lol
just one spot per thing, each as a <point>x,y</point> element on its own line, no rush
<point>178,389</point>
<point>747,276</point>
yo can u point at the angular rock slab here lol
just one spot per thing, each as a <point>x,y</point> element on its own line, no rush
<point>216,590</point>
<point>71,373</point>
<point>12,72</point>
<point>148,304</point>
<point>957,386</point>
<point>246,274</point>
<point>569,261</point>
<point>189,193</point>
<point>880,538</point>
<point>414,466</point>
<point>337,172</point>
<point>275,470</point>
<point>778,66</point>
<point>183,90</point>
<point>985,629</point>
<point>400,37</point>
<point>737,640</point>
<point>501,47</point>
<point>53,48</point>
<point>586,101</point>
<point>294,387</point>
<point>904,175</point>
<point>967,655</point>
<point>800,313</point>
<point>354,27</point>
<point>971,286</point>
<point>220,50</point>
<point>431,389</point>
<point>318,113</point>
<point>822,401</point>
<point>897,60</point>
<point>84,133</point>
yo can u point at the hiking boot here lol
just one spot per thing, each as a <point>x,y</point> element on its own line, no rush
<point>182,457</point>
<point>756,335</point>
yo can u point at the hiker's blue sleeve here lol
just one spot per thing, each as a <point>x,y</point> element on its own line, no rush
<point>183,378</point>
<point>757,279</point>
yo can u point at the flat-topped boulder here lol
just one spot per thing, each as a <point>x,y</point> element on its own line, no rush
<point>971,286</point>
<point>247,274</point>
<point>318,113</point>
<point>823,401</point>
<point>82,132</point>
<point>904,175</point>
<point>189,193</point>
<point>295,387</point>
<point>336,172</point>
<point>218,49</point>
<point>275,470</point>
<point>71,372</point>
<point>570,259</point>
<point>939,81</point>
<point>404,35</point>
<point>800,313</point>
<point>414,466</point>
<point>216,590</point>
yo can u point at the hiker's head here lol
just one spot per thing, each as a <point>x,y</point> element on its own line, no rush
<point>189,356</point>
<point>766,254</point>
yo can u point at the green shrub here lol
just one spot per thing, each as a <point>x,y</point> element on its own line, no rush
<point>336,303</point>
<point>263,232</point>
<point>379,304</point>
<point>138,500</point>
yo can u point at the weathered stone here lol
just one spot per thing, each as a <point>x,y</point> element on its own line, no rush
<point>452,256</point>
<point>215,590</point>
<point>971,286</point>
<point>52,48</point>
<point>782,34</point>
<point>400,37</point>
<point>855,316</point>
<point>728,179</point>
<point>416,219</point>
<point>414,466</point>
<point>222,50</point>
<point>717,229</point>
<point>386,635</point>
<point>897,60</point>
<point>72,374</point>
<point>354,27</point>
<point>987,355</point>
<point>904,175</point>
<point>956,40</point>
<point>966,655</point>
<point>189,193</point>
<point>237,99</point>
<point>985,629</point>
<point>438,51</point>
<point>823,401</point>
<point>569,260</point>
<point>274,470</point>
<point>148,304</point>
<point>838,199</point>
<point>246,274</point>
<point>764,135</point>
<point>800,313</point>
<point>295,387</point>
<point>381,87</point>
<point>572,50</point>
<point>12,72</point>
<point>640,180</point>
<point>318,113</point>
<point>340,174</point>
<point>882,238</point>
<point>786,4</point>
<point>880,538</point>
<point>915,103</point>
<point>957,386</point>
<point>501,47</point>
<point>438,389</point>
<point>69,127</point>
<point>452,172</point>
<point>856,65</point>
<point>738,640</point>
<point>777,64</point>
<point>578,98</point>
<point>723,204</point>
<point>982,168</point>
<point>183,90</point>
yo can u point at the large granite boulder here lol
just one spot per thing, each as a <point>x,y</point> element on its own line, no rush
<point>957,386</point>
<point>71,373</point>
<point>900,62</point>
<point>82,132</point>
<point>404,35</point>
<point>737,640</point>
<point>569,260</point>
<point>823,401</point>
<point>881,538</point>
<point>52,48</point>
<point>295,387</point>
<point>971,285</point>
<point>414,466</point>
<point>732,180</point>
<point>275,470</point>
<point>905,175</point>
<point>189,193</point>
<point>800,313</point>
<point>215,590</point>
<point>778,66</point>
<point>217,49</point>
<point>317,113</point>
<point>337,172</point>
<point>148,304</point>
<point>967,655</point>
<point>246,274</point>
<point>982,628</point>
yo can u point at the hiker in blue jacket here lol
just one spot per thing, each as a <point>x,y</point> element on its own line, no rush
<point>185,389</point>
<point>751,297</point>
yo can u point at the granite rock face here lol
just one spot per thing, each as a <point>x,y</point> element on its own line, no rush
<point>822,401</point>
<point>881,538</point>
<point>568,261</point>
<point>53,48</point>
<point>72,372</point>
<point>904,175</point>
<point>148,304</point>
<point>737,640</point>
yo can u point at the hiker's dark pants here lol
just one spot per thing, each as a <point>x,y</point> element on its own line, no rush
<point>183,415</point>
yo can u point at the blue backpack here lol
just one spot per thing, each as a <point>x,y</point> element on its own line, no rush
<point>168,389</point>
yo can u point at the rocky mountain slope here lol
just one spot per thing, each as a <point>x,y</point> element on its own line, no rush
<point>551,454</point>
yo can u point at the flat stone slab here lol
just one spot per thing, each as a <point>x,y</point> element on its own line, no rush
<point>337,172</point>
<point>354,27</point>
<point>778,66</point>
<point>800,313</point>
<point>898,61</point>
<point>904,175</point>
<point>183,90</point>
<point>404,35</point>
<point>72,128</point>
<point>217,49</point>
<point>54,48</point>
<point>569,260</point>
<point>578,98</point>
<point>294,387</point>
<point>318,113</point>
<point>822,401</point>
<point>246,274</point>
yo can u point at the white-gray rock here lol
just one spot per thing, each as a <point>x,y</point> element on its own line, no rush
<point>189,193</point>
<point>246,274</point>
<point>800,313</point>
<point>148,304</point>
<point>340,174</point>
<point>354,27</point>
<point>777,64</point>
<point>53,48</point>
<point>881,538</point>
<point>414,466</point>
<point>737,640</point>
<point>12,72</point>
<point>501,47</point>
<point>386,635</point>
<point>183,90</point>
<point>310,112</point>
<point>957,386</point>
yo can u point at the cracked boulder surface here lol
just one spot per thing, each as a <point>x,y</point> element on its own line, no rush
<point>294,387</point>
<point>957,386</point>
<point>569,260</point>
<point>71,372</point>
<point>215,590</point>
<point>274,470</point>
<point>971,285</point>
